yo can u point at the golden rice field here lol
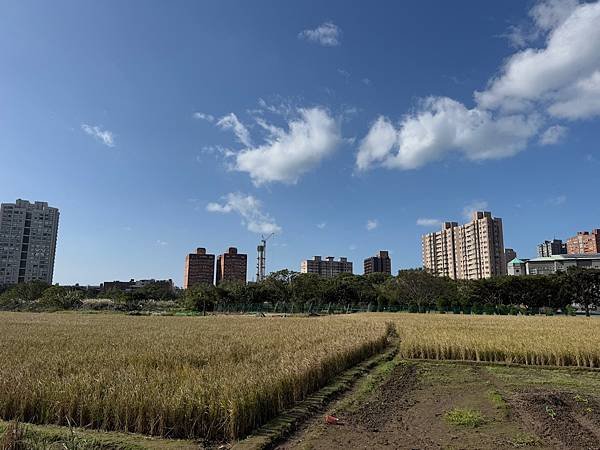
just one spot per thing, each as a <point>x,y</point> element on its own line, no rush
<point>201,377</point>
<point>221,377</point>
<point>535,340</point>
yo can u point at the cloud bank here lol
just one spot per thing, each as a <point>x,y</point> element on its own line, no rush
<point>560,80</point>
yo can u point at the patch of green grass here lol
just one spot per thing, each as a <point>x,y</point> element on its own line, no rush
<point>524,440</point>
<point>45,437</point>
<point>464,417</point>
<point>551,411</point>
<point>369,383</point>
<point>445,372</point>
<point>497,400</point>
<point>17,435</point>
<point>583,381</point>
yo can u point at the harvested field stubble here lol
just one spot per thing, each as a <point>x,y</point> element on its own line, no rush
<point>212,377</point>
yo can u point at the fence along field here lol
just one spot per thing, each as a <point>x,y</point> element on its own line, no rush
<point>539,340</point>
<point>212,377</point>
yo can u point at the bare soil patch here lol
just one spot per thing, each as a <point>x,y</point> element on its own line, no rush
<point>408,411</point>
<point>568,421</point>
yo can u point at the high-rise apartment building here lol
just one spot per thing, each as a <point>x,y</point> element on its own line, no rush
<point>553,247</point>
<point>381,262</point>
<point>584,242</point>
<point>471,251</point>
<point>28,233</point>
<point>327,267</point>
<point>199,268</point>
<point>232,266</point>
<point>509,255</point>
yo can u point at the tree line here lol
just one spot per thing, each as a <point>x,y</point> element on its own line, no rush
<point>413,290</point>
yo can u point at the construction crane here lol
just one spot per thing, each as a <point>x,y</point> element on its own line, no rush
<point>261,260</point>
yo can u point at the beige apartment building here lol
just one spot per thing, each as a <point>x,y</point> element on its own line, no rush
<point>471,251</point>
<point>326,268</point>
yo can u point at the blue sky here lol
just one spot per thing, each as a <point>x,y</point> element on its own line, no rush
<point>158,127</point>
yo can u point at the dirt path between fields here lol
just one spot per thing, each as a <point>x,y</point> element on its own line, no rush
<point>408,411</point>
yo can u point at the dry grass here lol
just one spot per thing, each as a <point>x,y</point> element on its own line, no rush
<point>212,377</point>
<point>544,341</point>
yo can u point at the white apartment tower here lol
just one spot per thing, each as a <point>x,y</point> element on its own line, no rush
<point>471,251</point>
<point>28,233</point>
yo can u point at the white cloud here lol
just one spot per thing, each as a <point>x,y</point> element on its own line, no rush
<point>161,243</point>
<point>105,136</point>
<point>231,122</point>
<point>344,73</point>
<point>545,15</point>
<point>204,116</point>
<point>559,79</point>
<point>556,74</point>
<point>553,135</point>
<point>518,36</point>
<point>548,14</point>
<point>366,81</point>
<point>477,205</point>
<point>557,201</point>
<point>250,209</point>
<point>372,224</point>
<point>327,34</point>
<point>288,154</point>
<point>424,222</point>
<point>321,225</point>
<point>580,100</point>
<point>442,125</point>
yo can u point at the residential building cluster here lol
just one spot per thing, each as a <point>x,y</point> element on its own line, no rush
<point>471,251</point>
<point>476,250</point>
<point>549,248</point>
<point>200,268</point>
<point>581,250</point>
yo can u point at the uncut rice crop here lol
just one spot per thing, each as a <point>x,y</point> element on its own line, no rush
<point>195,377</point>
<point>540,340</point>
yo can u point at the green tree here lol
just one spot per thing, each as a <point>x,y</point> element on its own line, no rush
<point>201,297</point>
<point>58,297</point>
<point>582,286</point>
